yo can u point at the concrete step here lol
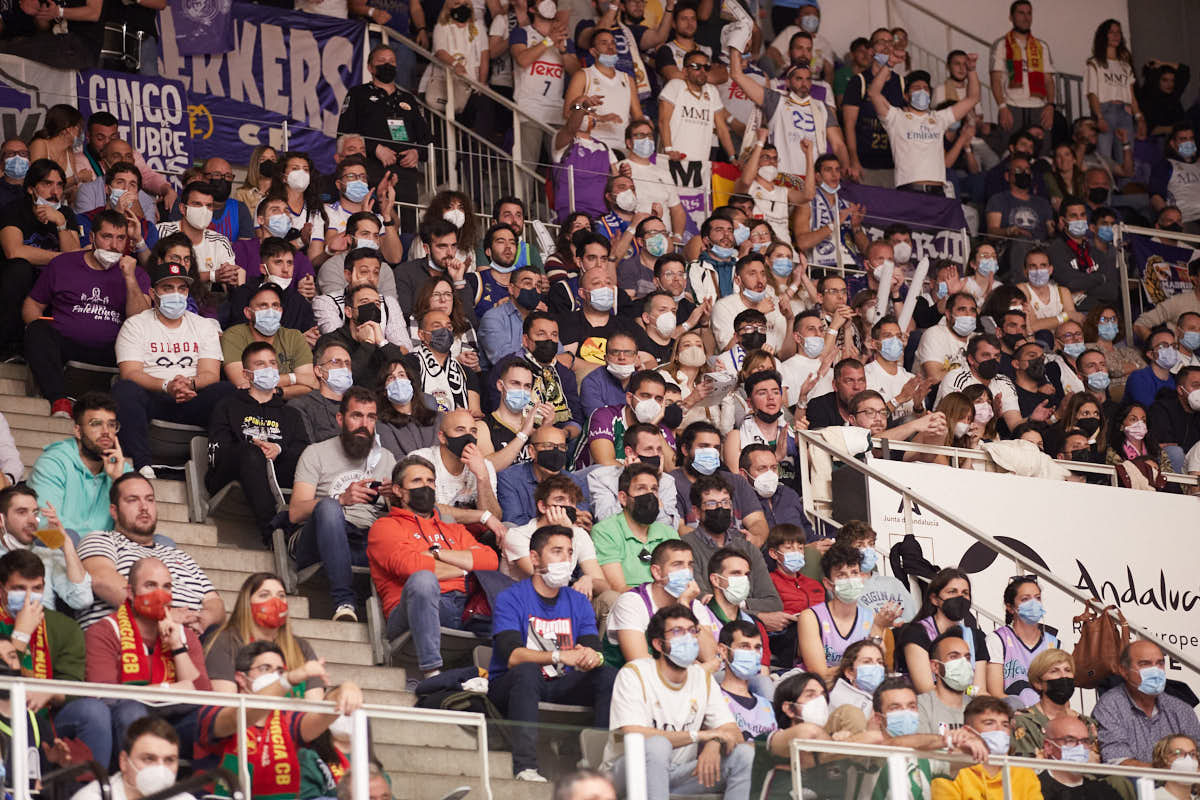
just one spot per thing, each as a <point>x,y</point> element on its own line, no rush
<point>387,679</point>
<point>171,512</point>
<point>38,422</point>
<point>29,455</point>
<point>433,760</point>
<point>349,653</point>
<point>187,534</point>
<point>382,697</point>
<point>168,491</point>
<point>444,737</point>
<point>18,372</point>
<point>422,786</point>
<point>333,632</point>
<point>226,558</point>
<point>25,437</point>
<point>13,386</point>
<point>18,403</point>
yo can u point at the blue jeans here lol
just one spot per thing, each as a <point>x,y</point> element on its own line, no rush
<point>183,718</point>
<point>664,779</point>
<point>1177,456</point>
<point>329,539</point>
<point>1117,116</point>
<point>425,610</point>
<point>92,722</point>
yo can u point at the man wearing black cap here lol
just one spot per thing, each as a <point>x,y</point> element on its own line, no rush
<point>170,365</point>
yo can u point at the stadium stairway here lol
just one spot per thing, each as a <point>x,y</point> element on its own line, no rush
<point>424,761</point>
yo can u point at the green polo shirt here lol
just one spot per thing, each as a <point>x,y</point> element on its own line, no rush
<point>616,544</point>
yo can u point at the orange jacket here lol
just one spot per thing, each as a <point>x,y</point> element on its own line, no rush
<point>398,546</point>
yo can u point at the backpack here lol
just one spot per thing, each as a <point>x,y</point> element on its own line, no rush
<point>460,700</point>
<point>1098,650</point>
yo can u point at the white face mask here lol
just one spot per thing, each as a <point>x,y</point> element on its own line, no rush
<point>282,283</point>
<point>815,711</point>
<point>264,681</point>
<point>298,179</point>
<point>626,200</point>
<point>666,323</point>
<point>154,778</point>
<point>767,483</point>
<point>198,216</point>
<point>768,174</point>
<point>455,216</point>
<point>106,258</point>
<point>558,574</point>
<point>647,410</point>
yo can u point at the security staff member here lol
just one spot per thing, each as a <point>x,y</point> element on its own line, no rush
<point>389,118</point>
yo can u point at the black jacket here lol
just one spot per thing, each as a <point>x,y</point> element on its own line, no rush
<point>238,418</point>
<point>365,359</point>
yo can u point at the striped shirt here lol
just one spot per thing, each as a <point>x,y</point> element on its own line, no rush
<point>189,584</point>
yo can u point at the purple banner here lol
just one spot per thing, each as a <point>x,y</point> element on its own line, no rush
<point>1162,268</point>
<point>937,222</point>
<point>153,114</point>
<point>202,26</point>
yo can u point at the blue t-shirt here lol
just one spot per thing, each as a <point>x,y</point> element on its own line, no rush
<point>546,624</point>
<point>1142,385</point>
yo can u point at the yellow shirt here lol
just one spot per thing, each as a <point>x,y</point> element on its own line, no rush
<point>973,783</point>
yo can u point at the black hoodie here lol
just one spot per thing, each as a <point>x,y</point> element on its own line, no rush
<point>239,418</point>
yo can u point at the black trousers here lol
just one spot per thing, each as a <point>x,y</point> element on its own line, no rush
<point>47,350</point>
<point>246,464</point>
<point>16,279</point>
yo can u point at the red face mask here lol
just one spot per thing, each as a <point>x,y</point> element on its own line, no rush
<point>153,604</point>
<point>270,613</point>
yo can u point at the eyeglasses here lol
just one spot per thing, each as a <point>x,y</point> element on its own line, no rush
<point>745,329</point>
<point>1178,753</point>
<point>680,631</point>
<point>622,353</point>
<point>354,176</point>
<point>263,669</point>
<point>106,424</point>
<point>336,362</point>
<point>442,295</point>
<point>709,505</point>
<point>1087,741</point>
<point>872,412</point>
<point>546,447</point>
<point>833,291</point>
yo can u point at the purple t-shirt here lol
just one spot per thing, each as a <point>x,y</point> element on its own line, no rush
<point>246,256</point>
<point>608,423</point>
<point>88,305</point>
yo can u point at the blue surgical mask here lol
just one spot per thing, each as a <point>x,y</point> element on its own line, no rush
<point>706,460</point>
<point>1077,227</point>
<point>1039,277</point>
<point>1190,340</point>
<point>753,296</point>
<point>825,187</point>
<point>1031,611</point>
<point>920,100</point>
<point>603,298</point>
<point>793,560</point>
<point>1074,349</point>
<point>1154,680</point>
<point>1105,233</point>
<point>644,147</point>
<point>656,244</point>
<point>1099,381</point>
<point>340,379</point>
<point>16,166</point>
<point>265,379</point>
<point>114,195</point>
<point>954,126</point>
<point>684,650</point>
<point>267,320</point>
<point>357,191</point>
<point>607,59</point>
<point>997,741</point>
<point>891,348</point>
<point>964,325</point>
<point>400,390</point>
<point>16,600</point>
<point>882,59</point>
<point>173,305</point>
<point>1108,331</point>
<point>868,677</point>
<point>1167,357</point>
<point>943,290</point>
<point>1187,149</point>
<point>723,253</point>
<point>1075,753</point>
<point>740,234</point>
<point>987,266</point>
<point>279,225</point>
<point>516,400</point>
<point>745,663</point>
<point>870,558</point>
<point>810,23</point>
<point>677,582</point>
<point>503,270</point>
<point>904,722</point>
<point>782,266</point>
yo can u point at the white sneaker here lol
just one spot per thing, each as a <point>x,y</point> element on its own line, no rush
<point>345,613</point>
<point>531,775</point>
<point>147,472</point>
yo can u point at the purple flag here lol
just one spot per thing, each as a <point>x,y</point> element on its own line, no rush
<point>202,26</point>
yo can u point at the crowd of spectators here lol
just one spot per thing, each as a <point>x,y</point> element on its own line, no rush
<point>609,429</point>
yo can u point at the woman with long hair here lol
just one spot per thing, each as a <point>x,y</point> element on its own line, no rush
<point>562,260</point>
<point>1066,178</point>
<point>1169,750</point>
<point>862,669</point>
<point>1129,439</point>
<point>61,141</point>
<point>947,605</point>
<point>261,613</point>
<point>460,43</point>
<point>961,430</point>
<point>787,275</point>
<point>263,159</point>
<point>437,294</point>
<point>981,272</point>
<point>1013,646</point>
<point>1083,412</point>
<point>1109,82</point>
<point>293,178</point>
<point>406,423</point>
<point>984,401</point>
<point>459,210</point>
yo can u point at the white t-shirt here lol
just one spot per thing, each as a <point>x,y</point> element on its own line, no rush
<point>1019,96</point>
<point>166,352</point>
<point>629,613</point>
<point>641,697</point>
<point>1001,386</point>
<point>822,50</point>
<point>1191,462</point>
<point>652,184</point>
<point>455,490</point>
<point>845,693</point>
<point>939,343</point>
<point>726,310</point>
<point>500,69</point>
<point>303,218</point>
<point>737,103</point>
<point>795,372</point>
<point>972,286</point>
<point>338,217</point>
<point>516,544</point>
<point>213,251</point>
<point>538,88</point>
<point>693,120</point>
<point>889,385</point>
<point>916,140</point>
<point>1110,84</point>
<point>466,44</point>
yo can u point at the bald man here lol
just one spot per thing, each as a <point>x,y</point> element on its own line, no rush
<point>94,194</point>
<point>466,481</point>
<point>231,218</point>
<point>1068,739</point>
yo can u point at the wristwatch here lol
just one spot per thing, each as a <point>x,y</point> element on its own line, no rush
<point>556,657</point>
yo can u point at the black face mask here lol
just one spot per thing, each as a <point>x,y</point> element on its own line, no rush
<point>421,500</point>
<point>386,73</point>
<point>1174,227</point>
<point>460,14</point>
<point>1097,195</point>
<point>551,460</point>
<point>527,299</point>
<point>545,350</point>
<point>1023,181</point>
<point>717,520</point>
<point>956,608</point>
<point>1012,339</point>
<point>765,417</point>
<point>367,313</point>
<point>644,508</point>
<point>672,416</point>
<point>1088,425</point>
<point>988,369</point>
<point>1059,690</point>
<point>1036,370</point>
<point>221,189</point>
<point>653,461</point>
<point>753,341</point>
<point>266,168</point>
<point>456,444</point>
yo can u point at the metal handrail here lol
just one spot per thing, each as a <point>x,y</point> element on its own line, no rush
<point>909,496</point>
<point>359,756</point>
<point>1119,231</point>
<point>898,758</point>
